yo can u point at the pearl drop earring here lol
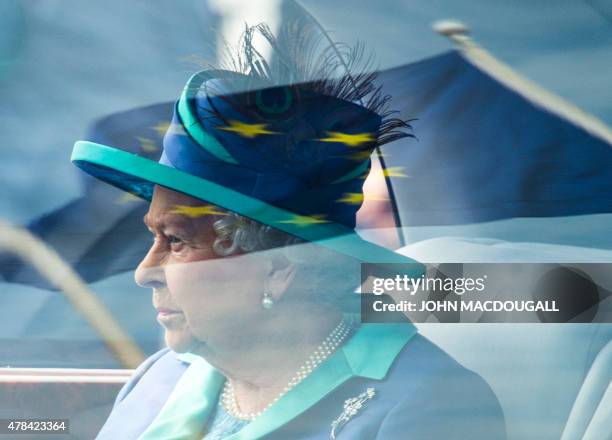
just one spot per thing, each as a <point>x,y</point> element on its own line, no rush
<point>267,302</point>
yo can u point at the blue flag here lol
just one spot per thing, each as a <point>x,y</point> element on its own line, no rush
<point>490,146</point>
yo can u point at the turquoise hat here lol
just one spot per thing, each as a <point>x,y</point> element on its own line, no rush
<point>286,156</point>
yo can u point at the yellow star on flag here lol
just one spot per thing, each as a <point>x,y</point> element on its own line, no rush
<point>161,128</point>
<point>394,172</point>
<point>352,140</point>
<point>360,156</point>
<point>127,197</point>
<point>351,198</point>
<point>305,220</point>
<point>358,198</point>
<point>197,211</point>
<point>247,130</point>
<point>147,145</point>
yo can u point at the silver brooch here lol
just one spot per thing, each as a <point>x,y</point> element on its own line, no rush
<point>351,407</point>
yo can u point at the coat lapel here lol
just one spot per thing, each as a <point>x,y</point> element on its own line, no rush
<point>187,415</point>
<point>369,353</point>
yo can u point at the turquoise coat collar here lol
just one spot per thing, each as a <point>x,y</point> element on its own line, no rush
<point>369,354</point>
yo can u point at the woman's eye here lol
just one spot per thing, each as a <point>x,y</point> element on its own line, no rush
<point>174,241</point>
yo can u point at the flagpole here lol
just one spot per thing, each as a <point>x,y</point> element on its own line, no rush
<point>50,265</point>
<point>458,33</point>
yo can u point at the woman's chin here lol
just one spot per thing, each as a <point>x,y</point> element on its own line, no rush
<point>180,342</point>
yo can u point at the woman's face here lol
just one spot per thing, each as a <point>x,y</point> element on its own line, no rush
<point>204,303</point>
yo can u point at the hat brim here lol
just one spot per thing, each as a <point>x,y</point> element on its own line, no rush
<point>138,175</point>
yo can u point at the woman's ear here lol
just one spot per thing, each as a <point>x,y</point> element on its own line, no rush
<point>280,278</point>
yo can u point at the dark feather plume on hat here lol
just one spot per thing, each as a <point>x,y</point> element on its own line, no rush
<point>303,56</point>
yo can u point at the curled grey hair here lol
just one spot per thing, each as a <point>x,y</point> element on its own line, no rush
<point>236,234</point>
<point>328,276</point>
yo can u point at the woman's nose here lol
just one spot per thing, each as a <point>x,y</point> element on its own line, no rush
<point>150,271</point>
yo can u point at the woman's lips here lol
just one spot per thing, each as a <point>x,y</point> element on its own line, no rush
<point>165,314</point>
<point>163,311</point>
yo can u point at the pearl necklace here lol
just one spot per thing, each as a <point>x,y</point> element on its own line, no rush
<point>323,351</point>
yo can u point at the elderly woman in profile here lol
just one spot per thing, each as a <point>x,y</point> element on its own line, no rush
<point>254,262</point>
